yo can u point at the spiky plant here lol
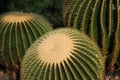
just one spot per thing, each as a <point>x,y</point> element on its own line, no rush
<point>63,54</point>
<point>17,31</point>
<point>100,20</point>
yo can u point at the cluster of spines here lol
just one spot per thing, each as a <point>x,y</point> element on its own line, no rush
<point>99,19</point>
<point>17,34</point>
<point>84,62</point>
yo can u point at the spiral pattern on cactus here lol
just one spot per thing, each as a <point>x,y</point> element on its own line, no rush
<point>63,54</point>
<point>17,31</point>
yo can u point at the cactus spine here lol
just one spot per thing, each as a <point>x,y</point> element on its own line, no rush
<point>17,31</point>
<point>100,20</point>
<point>63,54</point>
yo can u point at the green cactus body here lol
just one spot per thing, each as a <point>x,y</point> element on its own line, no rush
<point>116,35</point>
<point>17,31</point>
<point>63,54</point>
<point>118,38</point>
<point>99,20</point>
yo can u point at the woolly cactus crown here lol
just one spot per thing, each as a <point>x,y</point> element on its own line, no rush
<point>18,30</point>
<point>63,54</point>
<point>58,46</point>
<point>16,17</point>
<point>19,17</point>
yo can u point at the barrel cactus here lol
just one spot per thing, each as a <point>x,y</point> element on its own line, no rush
<point>17,31</point>
<point>63,54</point>
<point>100,20</point>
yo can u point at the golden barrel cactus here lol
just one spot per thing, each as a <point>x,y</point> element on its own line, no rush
<point>17,31</point>
<point>63,54</point>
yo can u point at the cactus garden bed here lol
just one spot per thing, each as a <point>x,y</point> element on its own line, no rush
<point>86,47</point>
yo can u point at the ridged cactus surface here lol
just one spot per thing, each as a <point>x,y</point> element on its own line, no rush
<point>119,39</point>
<point>63,54</point>
<point>100,20</point>
<point>17,31</point>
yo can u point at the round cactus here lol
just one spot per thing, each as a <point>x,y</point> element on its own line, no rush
<point>62,54</point>
<point>17,31</point>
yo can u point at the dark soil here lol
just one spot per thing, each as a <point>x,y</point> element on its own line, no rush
<point>7,75</point>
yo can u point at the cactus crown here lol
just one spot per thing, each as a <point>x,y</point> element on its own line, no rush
<point>16,17</point>
<point>63,54</point>
<point>58,46</point>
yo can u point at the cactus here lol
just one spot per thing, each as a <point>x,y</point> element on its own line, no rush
<point>17,31</point>
<point>118,59</point>
<point>100,20</point>
<point>63,54</point>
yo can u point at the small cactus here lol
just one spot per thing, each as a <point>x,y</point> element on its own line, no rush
<point>17,31</point>
<point>63,54</point>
